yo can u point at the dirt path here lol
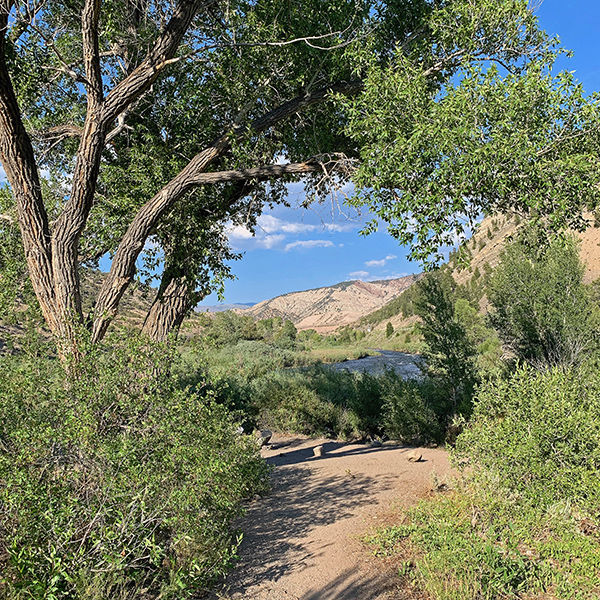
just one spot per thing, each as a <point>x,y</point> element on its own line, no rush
<point>301,542</point>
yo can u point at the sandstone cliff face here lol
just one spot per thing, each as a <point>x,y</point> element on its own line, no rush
<point>326,309</point>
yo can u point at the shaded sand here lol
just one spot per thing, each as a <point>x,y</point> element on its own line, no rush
<point>301,542</point>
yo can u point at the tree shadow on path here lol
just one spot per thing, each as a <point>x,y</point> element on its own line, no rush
<point>276,527</point>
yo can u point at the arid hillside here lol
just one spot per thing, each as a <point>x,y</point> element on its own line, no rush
<point>484,250</point>
<point>325,309</point>
<point>487,244</point>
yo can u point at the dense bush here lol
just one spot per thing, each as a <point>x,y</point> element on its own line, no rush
<point>538,434</point>
<point>311,402</point>
<point>542,310</point>
<point>117,484</point>
<point>322,401</point>
<point>407,412</point>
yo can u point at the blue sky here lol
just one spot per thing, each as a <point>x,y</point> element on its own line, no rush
<point>297,249</point>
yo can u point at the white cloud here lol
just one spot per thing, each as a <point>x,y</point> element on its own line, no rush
<point>270,241</point>
<point>271,224</point>
<point>306,244</point>
<point>359,274</point>
<point>382,262</point>
<point>272,232</point>
<point>375,263</point>
<point>239,232</point>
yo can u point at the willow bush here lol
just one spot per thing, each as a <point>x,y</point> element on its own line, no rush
<point>115,482</point>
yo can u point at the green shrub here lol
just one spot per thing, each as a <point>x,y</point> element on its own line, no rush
<point>306,403</point>
<point>542,311</point>
<point>117,484</point>
<point>538,434</point>
<point>406,413</point>
<point>322,401</point>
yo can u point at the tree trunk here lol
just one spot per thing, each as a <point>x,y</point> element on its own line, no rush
<point>52,257</point>
<point>194,174</point>
<point>169,308</point>
<point>53,291</point>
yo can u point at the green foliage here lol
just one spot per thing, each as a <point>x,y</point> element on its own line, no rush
<point>450,353</point>
<point>538,435</point>
<point>118,483</point>
<point>252,359</point>
<point>525,520</point>
<point>469,544</point>
<point>407,413</point>
<point>287,404</point>
<point>542,311</point>
<point>228,328</point>
<point>389,330</point>
<point>286,336</point>
<point>438,150</point>
<point>320,400</point>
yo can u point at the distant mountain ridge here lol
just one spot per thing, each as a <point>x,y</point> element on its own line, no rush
<point>327,308</point>
<point>224,307</point>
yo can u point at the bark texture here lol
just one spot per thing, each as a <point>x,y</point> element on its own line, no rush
<point>168,310</point>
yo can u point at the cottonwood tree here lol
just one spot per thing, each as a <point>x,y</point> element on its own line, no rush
<point>541,308</point>
<point>518,140</point>
<point>140,105</point>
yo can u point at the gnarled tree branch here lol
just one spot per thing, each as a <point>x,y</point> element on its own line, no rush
<point>123,265</point>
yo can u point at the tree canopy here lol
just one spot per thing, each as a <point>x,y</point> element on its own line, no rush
<point>158,122</point>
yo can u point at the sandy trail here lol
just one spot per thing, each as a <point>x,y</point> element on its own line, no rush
<point>301,542</point>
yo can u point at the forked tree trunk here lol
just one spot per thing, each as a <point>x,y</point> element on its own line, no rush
<point>171,305</point>
<point>52,256</point>
<point>52,253</point>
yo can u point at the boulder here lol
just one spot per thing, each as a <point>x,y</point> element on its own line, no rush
<point>414,456</point>
<point>264,436</point>
<point>319,451</point>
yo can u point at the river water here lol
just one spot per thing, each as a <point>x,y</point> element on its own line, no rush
<point>402,363</point>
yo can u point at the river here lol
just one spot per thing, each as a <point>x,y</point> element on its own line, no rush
<point>402,363</point>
